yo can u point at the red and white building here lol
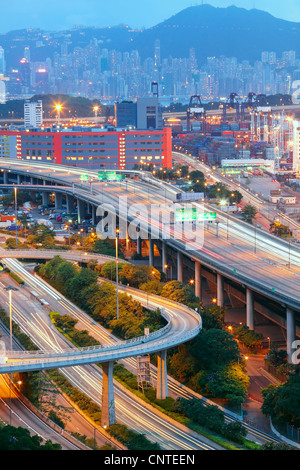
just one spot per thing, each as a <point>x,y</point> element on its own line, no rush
<point>92,148</point>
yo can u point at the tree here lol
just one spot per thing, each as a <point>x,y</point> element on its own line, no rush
<point>228,382</point>
<point>153,287</point>
<point>42,236</point>
<point>196,176</point>
<point>179,292</point>
<point>139,274</point>
<point>182,364</point>
<point>277,357</point>
<point>12,438</point>
<point>283,402</point>
<point>107,247</point>
<point>248,213</point>
<point>250,338</point>
<point>213,317</point>
<point>214,348</point>
<point>75,286</point>
<point>280,230</point>
<point>108,270</point>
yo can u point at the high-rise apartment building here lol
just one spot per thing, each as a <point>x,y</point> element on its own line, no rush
<point>2,61</point>
<point>33,114</point>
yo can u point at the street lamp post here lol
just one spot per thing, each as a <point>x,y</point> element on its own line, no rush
<point>16,214</point>
<point>58,108</point>
<point>9,289</point>
<point>96,109</point>
<point>117,271</point>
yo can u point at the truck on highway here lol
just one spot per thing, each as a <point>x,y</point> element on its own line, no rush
<point>188,197</point>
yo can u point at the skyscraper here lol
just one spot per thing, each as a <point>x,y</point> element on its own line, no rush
<point>157,59</point>
<point>2,61</point>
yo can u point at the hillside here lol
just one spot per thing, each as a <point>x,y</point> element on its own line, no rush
<point>232,31</point>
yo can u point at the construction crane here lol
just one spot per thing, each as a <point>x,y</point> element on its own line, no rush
<point>231,103</point>
<point>195,111</point>
<point>249,104</point>
<point>260,119</point>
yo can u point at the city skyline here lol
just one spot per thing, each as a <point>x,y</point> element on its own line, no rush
<point>100,14</point>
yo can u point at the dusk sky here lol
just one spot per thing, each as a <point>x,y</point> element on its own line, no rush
<point>61,14</point>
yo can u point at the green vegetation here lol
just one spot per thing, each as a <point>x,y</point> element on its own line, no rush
<point>16,278</point>
<point>248,213</point>
<point>148,279</point>
<point>131,439</point>
<point>56,419</point>
<point>21,337</point>
<point>11,244</point>
<point>41,237</point>
<point>66,324</point>
<point>282,403</point>
<point>280,230</point>
<point>90,409</point>
<point>211,417</point>
<point>279,446</point>
<point>100,300</point>
<point>12,438</point>
<point>220,191</point>
<point>90,442</point>
<point>249,338</point>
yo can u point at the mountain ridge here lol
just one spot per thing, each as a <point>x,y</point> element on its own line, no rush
<point>211,31</point>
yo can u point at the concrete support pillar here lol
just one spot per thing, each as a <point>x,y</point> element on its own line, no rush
<point>31,180</point>
<point>151,252</point>
<point>18,179</point>
<point>81,210</point>
<point>45,198</point>
<point>139,245</point>
<point>290,332</point>
<point>164,258</point>
<point>44,182</point>
<point>108,414</point>
<point>5,177</point>
<point>220,290</point>
<point>93,211</point>
<point>179,267</point>
<point>162,376</point>
<point>198,289</point>
<point>249,309</point>
<point>58,201</point>
<point>70,204</point>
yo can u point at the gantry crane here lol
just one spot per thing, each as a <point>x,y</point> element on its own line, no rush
<point>195,111</point>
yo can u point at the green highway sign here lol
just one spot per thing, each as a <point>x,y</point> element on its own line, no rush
<point>191,214</point>
<point>109,176</point>
<point>84,177</point>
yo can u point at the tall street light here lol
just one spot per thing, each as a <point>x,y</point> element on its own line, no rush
<point>117,271</point>
<point>9,289</point>
<point>16,214</point>
<point>96,109</point>
<point>58,108</point>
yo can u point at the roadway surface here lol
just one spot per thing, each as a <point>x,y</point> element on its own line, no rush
<point>36,323</point>
<point>234,257</point>
<point>40,323</point>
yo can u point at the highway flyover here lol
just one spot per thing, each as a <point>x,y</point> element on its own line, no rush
<point>265,268</point>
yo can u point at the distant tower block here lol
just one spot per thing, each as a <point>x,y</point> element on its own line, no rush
<point>144,372</point>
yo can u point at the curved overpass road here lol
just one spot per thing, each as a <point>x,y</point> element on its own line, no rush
<point>88,378</point>
<point>59,303</point>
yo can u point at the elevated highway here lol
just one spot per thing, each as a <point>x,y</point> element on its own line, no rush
<point>263,268</point>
